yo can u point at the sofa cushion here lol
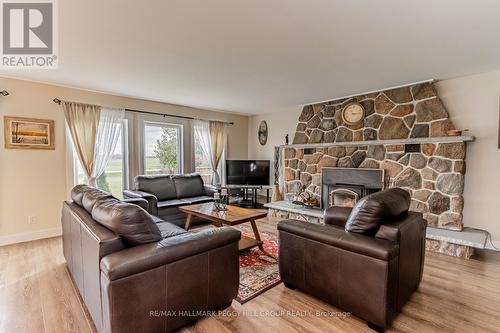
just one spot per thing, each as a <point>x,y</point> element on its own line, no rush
<point>171,203</point>
<point>188,185</point>
<point>378,208</point>
<point>129,221</point>
<point>198,199</point>
<point>91,196</point>
<point>168,229</point>
<point>161,186</point>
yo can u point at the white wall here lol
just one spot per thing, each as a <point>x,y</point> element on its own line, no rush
<point>35,182</point>
<point>279,123</point>
<point>473,102</point>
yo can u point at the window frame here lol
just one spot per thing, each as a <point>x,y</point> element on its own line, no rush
<point>136,142</point>
<point>180,144</point>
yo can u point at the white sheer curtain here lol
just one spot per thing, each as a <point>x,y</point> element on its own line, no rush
<point>108,132</point>
<point>211,136</point>
<point>202,134</point>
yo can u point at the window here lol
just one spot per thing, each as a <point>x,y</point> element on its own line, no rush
<point>114,176</point>
<point>162,148</point>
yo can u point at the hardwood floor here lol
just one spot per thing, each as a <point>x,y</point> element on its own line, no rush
<point>38,295</point>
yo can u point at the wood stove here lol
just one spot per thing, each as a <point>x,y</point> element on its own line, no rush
<point>345,186</point>
<point>342,197</point>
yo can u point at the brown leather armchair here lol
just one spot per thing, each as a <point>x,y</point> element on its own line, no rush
<point>138,273</point>
<point>367,260</point>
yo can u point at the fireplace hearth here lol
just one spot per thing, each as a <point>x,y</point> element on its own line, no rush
<point>345,186</point>
<point>342,197</point>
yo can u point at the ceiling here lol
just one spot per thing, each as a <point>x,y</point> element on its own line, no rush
<point>256,56</point>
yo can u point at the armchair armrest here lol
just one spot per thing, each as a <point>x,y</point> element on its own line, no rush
<point>143,203</point>
<point>334,236</point>
<point>151,199</point>
<point>410,225</point>
<point>148,256</point>
<point>210,190</point>
<point>337,215</point>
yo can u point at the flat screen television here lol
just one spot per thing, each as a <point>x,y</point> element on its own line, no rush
<point>247,172</point>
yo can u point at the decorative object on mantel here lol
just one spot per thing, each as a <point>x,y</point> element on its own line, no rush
<point>286,139</point>
<point>457,132</point>
<point>262,133</point>
<point>28,133</point>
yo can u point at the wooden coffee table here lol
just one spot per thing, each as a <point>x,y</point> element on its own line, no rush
<point>232,216</point>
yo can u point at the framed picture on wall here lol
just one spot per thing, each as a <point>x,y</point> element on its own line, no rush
<point>28,133</point>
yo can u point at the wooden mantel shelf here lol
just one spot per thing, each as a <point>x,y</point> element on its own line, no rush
<point>440,139</point>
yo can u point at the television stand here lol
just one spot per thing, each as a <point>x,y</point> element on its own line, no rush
<point>248,195</point>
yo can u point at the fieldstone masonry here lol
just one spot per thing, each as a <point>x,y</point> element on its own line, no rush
<point>434,176</point>
<point>402,113</point>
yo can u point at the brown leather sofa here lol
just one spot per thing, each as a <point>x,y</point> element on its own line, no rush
<point>367,260</point>
<point>135,272</point>
<point>166,193</point>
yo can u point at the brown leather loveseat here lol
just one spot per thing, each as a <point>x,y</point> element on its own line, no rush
<point>367,260</point>
<point>138,273</point>
<point>166,193</point>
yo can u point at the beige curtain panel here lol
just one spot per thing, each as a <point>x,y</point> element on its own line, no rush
<point>83,122</point>
<point>218,137</point>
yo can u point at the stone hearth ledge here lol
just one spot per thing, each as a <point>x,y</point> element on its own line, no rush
<point>289,207</point>
<point>467,237</point>
<point>450,242</point>
<point>439,139</point>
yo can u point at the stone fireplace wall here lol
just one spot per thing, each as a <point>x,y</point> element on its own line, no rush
<point>408,112</point>
<point>434,175</point>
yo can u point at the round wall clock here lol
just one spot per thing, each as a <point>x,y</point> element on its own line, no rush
<point>262,133</point>
<point>353,113</point>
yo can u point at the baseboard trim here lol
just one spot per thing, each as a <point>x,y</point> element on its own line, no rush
<point>30,236</point>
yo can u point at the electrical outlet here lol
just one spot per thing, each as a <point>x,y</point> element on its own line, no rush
<point>32,219</point>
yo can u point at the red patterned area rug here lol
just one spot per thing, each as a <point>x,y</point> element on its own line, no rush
<point>258,271</point>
